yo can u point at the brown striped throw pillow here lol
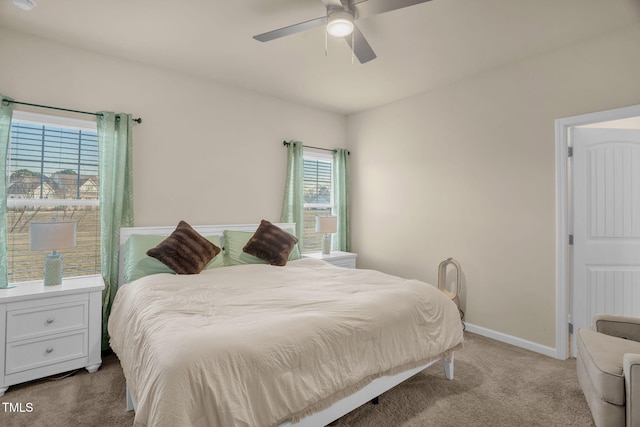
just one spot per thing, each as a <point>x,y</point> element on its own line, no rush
<point>271,244</point>
<point>185,251</point>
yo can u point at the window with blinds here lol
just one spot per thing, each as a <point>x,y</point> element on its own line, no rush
<point>52,173</point>
<point>318,196</point>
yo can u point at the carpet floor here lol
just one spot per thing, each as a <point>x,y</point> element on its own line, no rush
<point>495,385</point>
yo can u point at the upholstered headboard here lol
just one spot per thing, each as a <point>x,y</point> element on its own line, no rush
<point>205,230</point>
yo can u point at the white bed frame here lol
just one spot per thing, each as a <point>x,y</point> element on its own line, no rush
<point>321,418</point>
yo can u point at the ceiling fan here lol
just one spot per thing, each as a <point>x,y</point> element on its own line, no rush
<point>340,22</point>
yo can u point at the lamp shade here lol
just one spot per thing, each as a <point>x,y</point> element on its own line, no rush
<point>52,235</point>
<point>326,224</point>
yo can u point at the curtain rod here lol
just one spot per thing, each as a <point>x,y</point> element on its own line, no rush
<point>138,120</point>
<point>286,143</point>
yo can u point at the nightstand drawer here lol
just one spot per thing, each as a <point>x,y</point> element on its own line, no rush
<point>46,320</point>
<point>36,353</point>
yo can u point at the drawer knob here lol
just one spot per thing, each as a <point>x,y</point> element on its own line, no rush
<point>49,350</point>
<point>50,320</point>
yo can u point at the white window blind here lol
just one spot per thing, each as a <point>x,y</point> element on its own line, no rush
<point>52,172</point>
<point>318,196</point>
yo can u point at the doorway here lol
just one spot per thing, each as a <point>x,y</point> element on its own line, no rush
<point>583,155</point>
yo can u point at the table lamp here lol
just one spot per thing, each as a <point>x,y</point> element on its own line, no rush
<point>52,235</point>
<point>326,225</point>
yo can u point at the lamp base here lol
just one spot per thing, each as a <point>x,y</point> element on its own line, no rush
<point>326,244</point>
<point>53,270</point>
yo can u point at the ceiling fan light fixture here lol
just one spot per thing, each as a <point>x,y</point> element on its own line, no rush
<point>340,23</point>
<point>24,4</point>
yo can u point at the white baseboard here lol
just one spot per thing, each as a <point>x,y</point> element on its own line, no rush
<point>508,339</point>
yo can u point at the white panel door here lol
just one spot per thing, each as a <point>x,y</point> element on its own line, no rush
<point>605,182</point>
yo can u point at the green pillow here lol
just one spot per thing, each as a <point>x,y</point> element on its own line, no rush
<point>234,241</point>
<point>138,264</point>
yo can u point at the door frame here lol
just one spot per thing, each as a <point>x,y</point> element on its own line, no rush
<point>563,267</point>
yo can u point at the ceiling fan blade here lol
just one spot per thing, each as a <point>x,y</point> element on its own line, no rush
<point>362,49</point>
<point>292,29</point>
<point>375,7</point>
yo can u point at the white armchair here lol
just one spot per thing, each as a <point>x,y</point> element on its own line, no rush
<point>608,367</point>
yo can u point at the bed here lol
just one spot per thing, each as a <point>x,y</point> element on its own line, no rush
<point>251,344</point>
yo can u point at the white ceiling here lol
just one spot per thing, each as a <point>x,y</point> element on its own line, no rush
<point>419,47</point>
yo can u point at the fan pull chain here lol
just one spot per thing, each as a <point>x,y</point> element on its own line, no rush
<point>326,36</point>
<point>326,42</point>
<point>353,46</point>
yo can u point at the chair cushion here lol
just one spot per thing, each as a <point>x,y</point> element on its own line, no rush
<point>602,357</point>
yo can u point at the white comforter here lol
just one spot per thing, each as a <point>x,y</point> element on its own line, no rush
<point>258,345</point>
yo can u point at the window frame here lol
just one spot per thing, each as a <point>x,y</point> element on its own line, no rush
<point>312,244</point>
<point>323,157</point>
<point>58,121</point>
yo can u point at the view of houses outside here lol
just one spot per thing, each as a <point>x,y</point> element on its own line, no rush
<point>52,173</point>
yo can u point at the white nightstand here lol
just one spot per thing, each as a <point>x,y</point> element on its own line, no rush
<point>338,258</point>
<point>46,330</point>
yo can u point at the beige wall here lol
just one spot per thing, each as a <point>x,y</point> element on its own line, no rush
<point>205,152</point>
<point>465,171</point>
<point>468,171</point>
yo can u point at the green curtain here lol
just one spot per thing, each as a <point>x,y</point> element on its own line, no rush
<point>293,202</point>
<point>116,200</point>
<point>6,111</point>
<point>342,238</point>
